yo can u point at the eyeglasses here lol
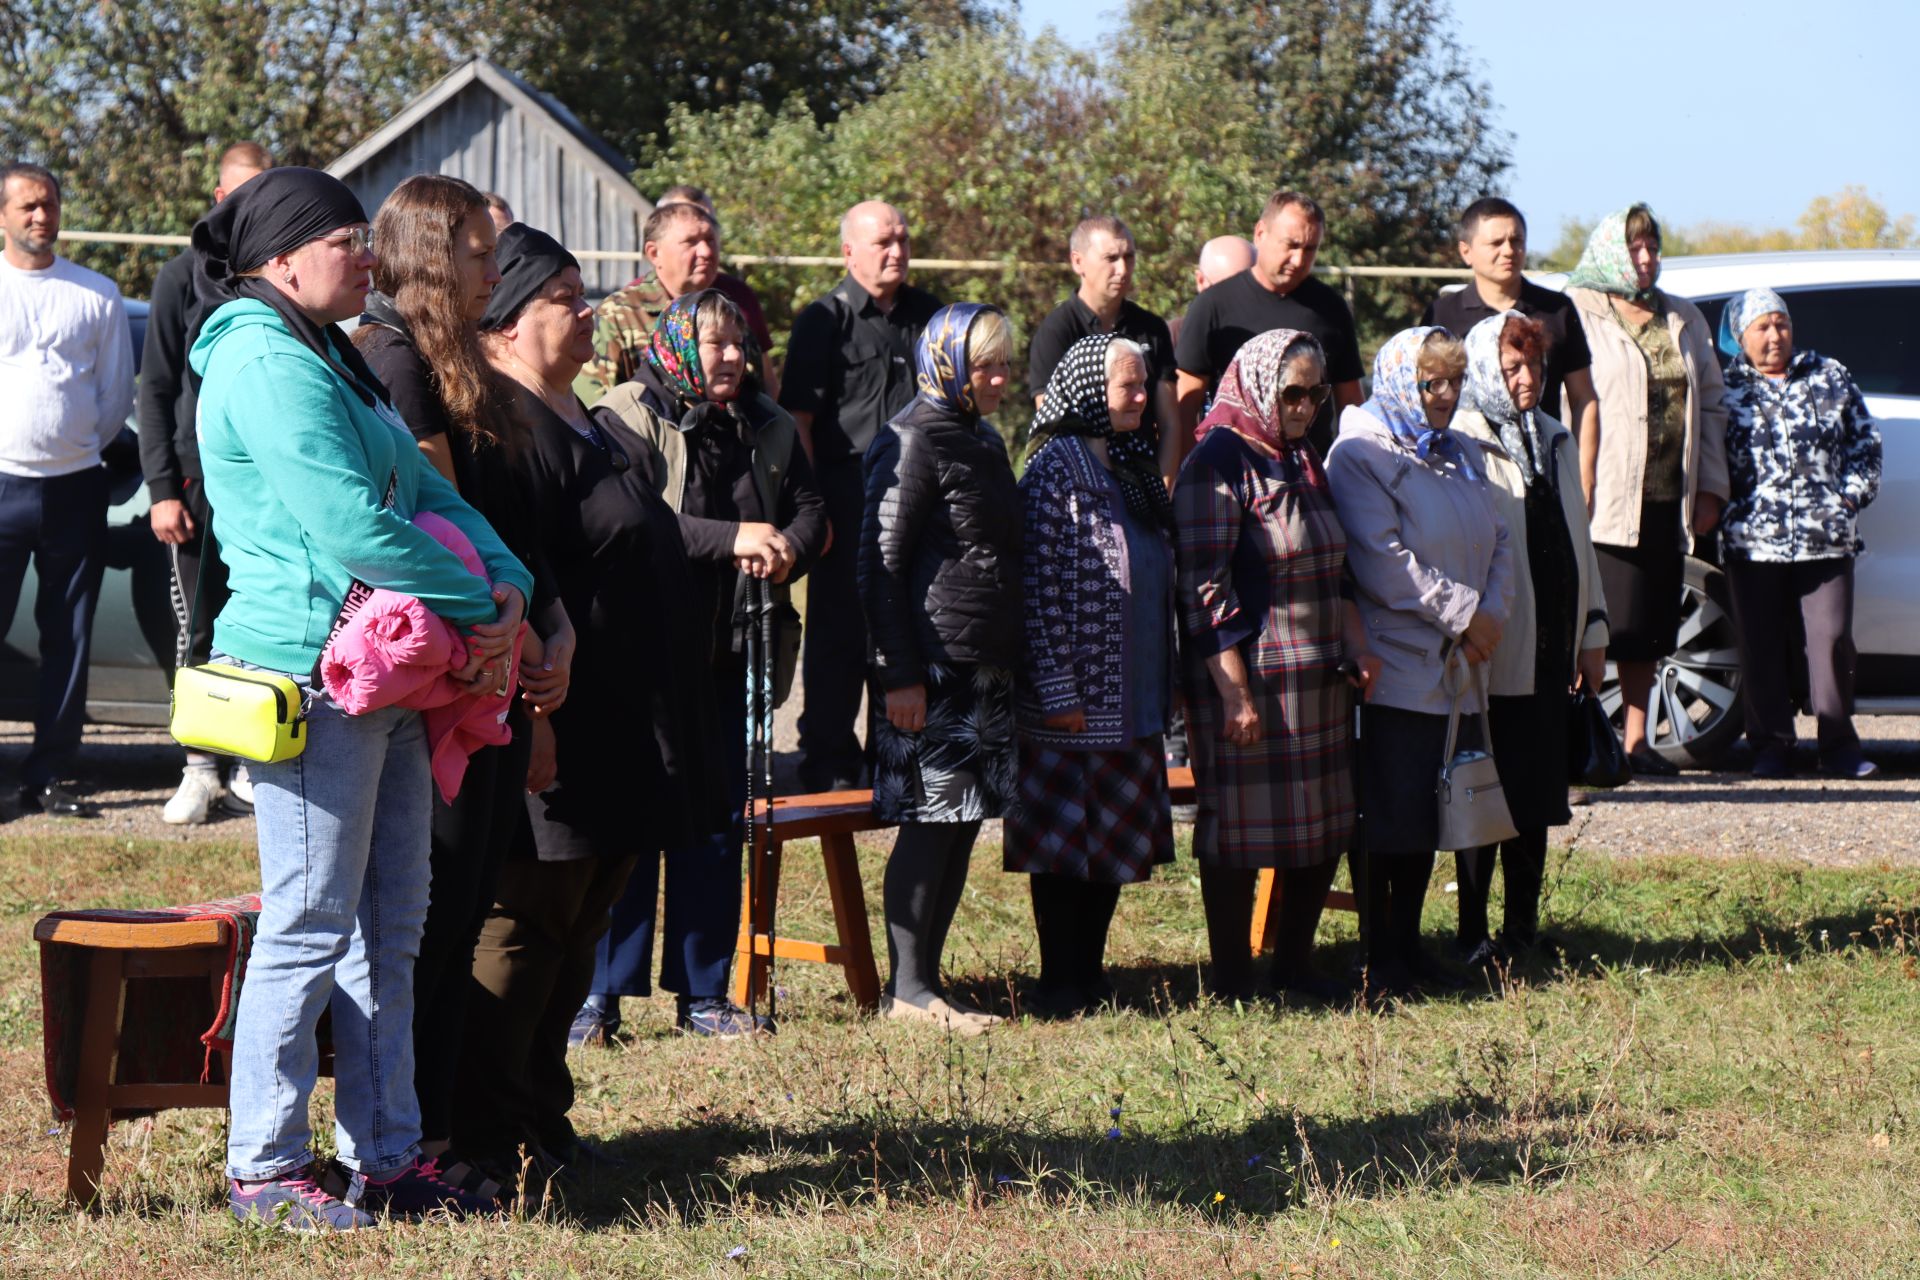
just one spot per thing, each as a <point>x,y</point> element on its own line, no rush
<point>358,240</point>
<point>1294,397</point>
<point>1439,386</point>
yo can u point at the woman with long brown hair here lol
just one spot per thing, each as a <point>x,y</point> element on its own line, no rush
<point>420,334</point>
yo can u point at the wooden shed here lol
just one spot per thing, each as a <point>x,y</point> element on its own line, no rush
<point>485,124</point>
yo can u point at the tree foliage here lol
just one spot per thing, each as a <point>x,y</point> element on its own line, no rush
<point>621,65</point>
<point>132,103</point>
<point>995,145</point>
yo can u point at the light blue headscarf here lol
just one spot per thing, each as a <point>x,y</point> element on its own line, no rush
<point>1396,398</point>
<point>940,357</point>
<point>1742,311</point>
<point>1486,391</point>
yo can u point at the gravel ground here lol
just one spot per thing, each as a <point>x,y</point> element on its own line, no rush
<point>131,773</point>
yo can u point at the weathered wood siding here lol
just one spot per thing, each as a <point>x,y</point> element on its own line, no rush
<point>478,136</point>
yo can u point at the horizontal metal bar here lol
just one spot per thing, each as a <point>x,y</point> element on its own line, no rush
<point>811,260</point>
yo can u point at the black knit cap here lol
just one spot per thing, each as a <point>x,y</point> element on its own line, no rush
<point>528,258</point>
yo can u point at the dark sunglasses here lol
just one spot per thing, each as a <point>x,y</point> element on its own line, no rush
<point>1294,397</point>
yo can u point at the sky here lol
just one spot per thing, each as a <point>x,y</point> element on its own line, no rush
<point>1737,112</point>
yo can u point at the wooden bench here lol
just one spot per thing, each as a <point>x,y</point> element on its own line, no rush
<point>117,951</point>
<point>834,818</point>
<point>110,954</point>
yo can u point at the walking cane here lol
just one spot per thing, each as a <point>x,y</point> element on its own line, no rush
<point>759,647</point>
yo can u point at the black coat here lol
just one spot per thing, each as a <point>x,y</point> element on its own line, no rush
<point>169,391</point>
<point>639,758</point>
<point>940,546</point>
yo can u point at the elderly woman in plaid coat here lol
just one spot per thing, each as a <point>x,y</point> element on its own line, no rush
<point>1267,633</point>
<point>1092,810</point>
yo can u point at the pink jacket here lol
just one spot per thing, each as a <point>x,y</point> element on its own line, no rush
<point>392,652</point>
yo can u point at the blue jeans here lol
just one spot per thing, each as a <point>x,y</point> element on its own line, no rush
<point>703,887</point>
<point>344,840</point>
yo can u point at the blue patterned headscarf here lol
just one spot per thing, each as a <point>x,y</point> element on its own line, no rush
<point>940,357</point>
<point>1486,391</point>
<point>1396,397</point>
<point>1742,311</point>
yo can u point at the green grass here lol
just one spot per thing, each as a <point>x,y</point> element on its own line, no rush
<point>1718,1084</point>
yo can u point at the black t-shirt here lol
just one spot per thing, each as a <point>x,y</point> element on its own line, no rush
<point>1073,320</point>
<point>850,365</point>
<point>1223,317</point>
<point>1461,309</point>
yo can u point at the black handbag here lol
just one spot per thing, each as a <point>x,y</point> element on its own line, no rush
<point>1595,757</point>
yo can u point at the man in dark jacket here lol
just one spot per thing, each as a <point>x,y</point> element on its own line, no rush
<point>170,457</point>
<point>849,369</point>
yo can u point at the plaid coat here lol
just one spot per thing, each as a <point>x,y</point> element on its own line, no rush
<point>1261,563</point>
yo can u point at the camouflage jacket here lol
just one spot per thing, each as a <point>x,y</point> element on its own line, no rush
<point>1803,458</point>
<point>622,328</point>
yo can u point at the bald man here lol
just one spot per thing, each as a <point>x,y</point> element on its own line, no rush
<point>179,515</point>
<point>1220,257</point>
<point>849,369</point>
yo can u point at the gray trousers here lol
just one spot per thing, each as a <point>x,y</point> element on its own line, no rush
<point>1767,598</point>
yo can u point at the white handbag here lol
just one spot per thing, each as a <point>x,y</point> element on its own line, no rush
<point>1472,804</point>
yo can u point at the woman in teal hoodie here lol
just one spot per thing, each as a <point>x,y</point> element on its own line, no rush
<point>316,481</point>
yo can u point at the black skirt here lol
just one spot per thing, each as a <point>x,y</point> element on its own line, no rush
<point>1529,736</point>
<point>1400,754</point>
<point>1643,586</point>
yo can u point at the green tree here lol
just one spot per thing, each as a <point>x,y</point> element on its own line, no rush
<point>1007,143</point>
<point>1368,105</point>
<point>622,65</point>
<point>132,103</point>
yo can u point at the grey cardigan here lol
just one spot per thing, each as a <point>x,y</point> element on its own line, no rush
<point>1426,549</point>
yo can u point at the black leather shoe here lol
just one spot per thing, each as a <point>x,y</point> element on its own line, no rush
<point>55,799</point>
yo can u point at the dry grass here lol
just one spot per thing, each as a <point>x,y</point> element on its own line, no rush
<point>1718,1084</point>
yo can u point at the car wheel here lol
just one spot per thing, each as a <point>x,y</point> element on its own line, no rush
<point>1693,713</point>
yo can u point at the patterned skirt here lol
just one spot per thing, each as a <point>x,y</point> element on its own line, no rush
<point>959,768</point>
<point>1285,801</point>
<point>1094,815</point>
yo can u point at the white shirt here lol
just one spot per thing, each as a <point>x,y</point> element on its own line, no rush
<point>66,368</point>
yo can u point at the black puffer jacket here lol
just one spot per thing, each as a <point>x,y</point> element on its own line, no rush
<point>940,546</point>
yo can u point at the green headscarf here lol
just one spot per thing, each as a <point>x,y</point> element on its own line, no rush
<point>1607,264</point>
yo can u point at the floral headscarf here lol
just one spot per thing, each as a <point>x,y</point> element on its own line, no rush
<point>1076,404</point>
<point>1607,264</point>
<point>1248,399</point>
<point>940,357</point>
<point>1486,391</point>
<point>1396,398</point>
<point>1744,310</point>
<point>674,352</point>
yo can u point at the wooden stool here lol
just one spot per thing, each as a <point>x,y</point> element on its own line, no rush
<point>117,951</point>
<point>834,818</point>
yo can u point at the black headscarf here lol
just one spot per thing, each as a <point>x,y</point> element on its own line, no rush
<point>528,258</point>
<point>276,213</point>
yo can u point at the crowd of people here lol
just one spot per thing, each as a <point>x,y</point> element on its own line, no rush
<point>1223,544</point>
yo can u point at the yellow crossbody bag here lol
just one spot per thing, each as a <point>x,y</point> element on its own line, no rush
<point>256,715</point>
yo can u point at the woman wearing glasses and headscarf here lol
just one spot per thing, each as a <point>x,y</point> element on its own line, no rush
<point>939,573</point>
<point>1556,634</point>
<point>1092,812</point>
<point>1803,460</point>
<point>1268,630</point>
<point>1433,573</point>
<point>629,764</point>
<point>315,482</point>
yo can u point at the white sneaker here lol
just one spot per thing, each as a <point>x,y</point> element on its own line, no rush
<point>193,802</point>
<point>239,797</point>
